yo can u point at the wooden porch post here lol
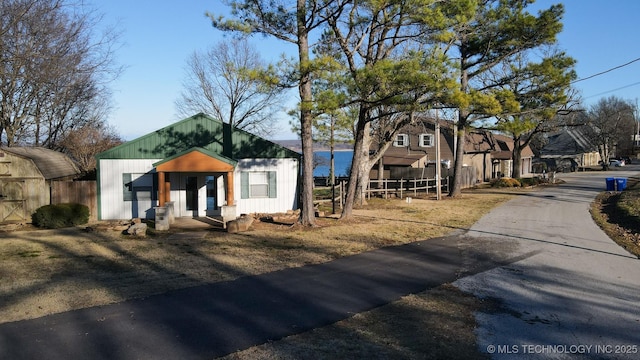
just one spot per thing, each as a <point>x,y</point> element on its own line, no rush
<point>167,189</point>
<point>161,188</point>
<point>230,199</point>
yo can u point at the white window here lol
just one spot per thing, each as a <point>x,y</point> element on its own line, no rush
<point>402,140</point>
<point>426,140</point>
<point>258,184</point>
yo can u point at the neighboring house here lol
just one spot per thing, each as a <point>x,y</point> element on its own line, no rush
<point>414,149</point>
<point>203,167</point>
<point>487,153</point>
<point>26,175</point>
<point>492,155</point>
<point>569,149</point>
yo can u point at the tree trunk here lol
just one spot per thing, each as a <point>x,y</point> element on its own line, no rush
<point>307,215</point>
<point>516,158</point>
<point>380,173</point>
<point>347,210</point>
<point>456,186</point>
<point>463,115</point>
<point>364,169</point>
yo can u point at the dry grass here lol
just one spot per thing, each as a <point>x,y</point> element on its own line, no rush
<point>618,214</point>
<point>50,271</point>
<point>437,324</point>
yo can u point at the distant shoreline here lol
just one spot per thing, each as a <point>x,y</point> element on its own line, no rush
<point>296,145</point>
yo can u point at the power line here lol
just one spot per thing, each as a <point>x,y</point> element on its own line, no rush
<point>606,71</point>
<point>610,91</point>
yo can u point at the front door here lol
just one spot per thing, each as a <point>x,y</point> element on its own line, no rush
<point>212,205</point>
<point>192,195</point>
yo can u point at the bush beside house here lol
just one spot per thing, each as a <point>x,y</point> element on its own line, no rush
<point>60,216</point>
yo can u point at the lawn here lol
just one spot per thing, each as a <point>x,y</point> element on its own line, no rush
<point>50,271</point>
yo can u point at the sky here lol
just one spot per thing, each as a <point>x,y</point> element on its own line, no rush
<point>158,36</point>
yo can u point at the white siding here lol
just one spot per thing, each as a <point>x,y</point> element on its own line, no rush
<point>286,184</point>
<point>112,205</point>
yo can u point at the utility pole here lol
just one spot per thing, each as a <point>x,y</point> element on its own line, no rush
<point>636,136</point>
<point>332,171</point>
<point>438,161</point>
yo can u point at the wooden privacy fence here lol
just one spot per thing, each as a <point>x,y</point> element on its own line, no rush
<point>79,192</point>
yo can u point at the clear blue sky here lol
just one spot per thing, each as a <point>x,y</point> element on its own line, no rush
<point>158,36</point>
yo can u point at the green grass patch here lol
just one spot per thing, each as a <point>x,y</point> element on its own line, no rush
<point>29,253</point>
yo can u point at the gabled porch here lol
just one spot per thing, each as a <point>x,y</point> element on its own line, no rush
<point>198,183</point>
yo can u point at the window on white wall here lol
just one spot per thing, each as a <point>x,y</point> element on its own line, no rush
<point>402,140</point>
<point>127,187</point>
<point>426,140</point>
<point>258,184</point>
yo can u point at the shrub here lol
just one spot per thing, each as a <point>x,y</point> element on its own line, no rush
<point>531,181</point>
<point>60,215</point>
<point>506,182</point>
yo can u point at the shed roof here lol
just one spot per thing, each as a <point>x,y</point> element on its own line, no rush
<point>198,131</point>
<point>52,164</point>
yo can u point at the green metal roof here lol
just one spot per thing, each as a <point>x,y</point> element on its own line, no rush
<point>198,131</point>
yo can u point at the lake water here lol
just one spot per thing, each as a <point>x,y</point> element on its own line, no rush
<point>342,163</point>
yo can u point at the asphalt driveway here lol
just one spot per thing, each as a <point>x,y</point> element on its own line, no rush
<point>208,321</point>
<point>577,297</point>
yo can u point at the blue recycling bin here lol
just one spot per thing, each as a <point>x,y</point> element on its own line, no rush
<point>621,183</point>
<point>611,184</point>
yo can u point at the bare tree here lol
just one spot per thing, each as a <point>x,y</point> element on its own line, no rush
<point>612,122</point>
<point>82,144</point>
<point>226,82</point>
<point>55,70</point>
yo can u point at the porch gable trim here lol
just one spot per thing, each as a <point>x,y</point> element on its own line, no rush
<point>196,160</point>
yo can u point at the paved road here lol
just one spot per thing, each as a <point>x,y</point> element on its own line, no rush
<point>559,278</point>
<point>209,321</point>
<point>579,293</point>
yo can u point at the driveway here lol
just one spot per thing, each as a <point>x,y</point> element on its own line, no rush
<point>575,295</point>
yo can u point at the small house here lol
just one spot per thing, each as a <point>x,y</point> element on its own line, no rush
<point>491,155</point>
<point>199,166</point>
<point>487,155</point>
<point>569,149</point>
<point>26,176</point>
